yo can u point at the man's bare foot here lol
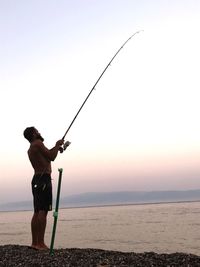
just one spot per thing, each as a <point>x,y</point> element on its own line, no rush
<point>39,247</point>
<point>33,247</point>
<point>42,247</point>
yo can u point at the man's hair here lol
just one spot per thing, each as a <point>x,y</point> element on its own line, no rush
<point>28,133</point>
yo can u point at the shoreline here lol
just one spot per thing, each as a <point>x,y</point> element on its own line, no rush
<point>23,256</point>
<point>112,205</point>
<point>132,204</point>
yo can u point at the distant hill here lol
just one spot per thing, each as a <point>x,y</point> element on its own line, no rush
<point>113,198</point>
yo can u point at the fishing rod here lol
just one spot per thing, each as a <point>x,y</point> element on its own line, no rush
<point>67,143</point>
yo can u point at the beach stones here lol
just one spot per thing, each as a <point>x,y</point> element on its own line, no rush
<point>23,256</point>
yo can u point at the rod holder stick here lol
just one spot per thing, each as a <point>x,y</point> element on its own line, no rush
<point>55,214</point>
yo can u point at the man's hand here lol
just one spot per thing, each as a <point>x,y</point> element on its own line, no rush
<point>59,143</point>
<point>65,145</point>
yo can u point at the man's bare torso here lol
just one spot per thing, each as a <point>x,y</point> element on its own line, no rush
<point>38,157</point>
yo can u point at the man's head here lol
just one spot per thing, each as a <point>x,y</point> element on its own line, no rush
<point>31,134</point>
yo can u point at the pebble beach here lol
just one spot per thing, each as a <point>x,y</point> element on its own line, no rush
<point>21,256</point>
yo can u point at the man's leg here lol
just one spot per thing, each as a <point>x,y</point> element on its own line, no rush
<point>34,229</point>
<point>42,219</point>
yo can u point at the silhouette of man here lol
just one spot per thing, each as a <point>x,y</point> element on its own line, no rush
<point>40,158</point>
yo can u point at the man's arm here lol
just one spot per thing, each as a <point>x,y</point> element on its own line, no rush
<point>52,153</point>
<point>56,148</point>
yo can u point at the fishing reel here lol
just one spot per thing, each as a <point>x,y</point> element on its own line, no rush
<point>64,147</point>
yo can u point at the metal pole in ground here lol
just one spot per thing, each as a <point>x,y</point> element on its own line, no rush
<point>55,214</point>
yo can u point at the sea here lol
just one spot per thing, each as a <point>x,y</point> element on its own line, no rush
<point>161,228</point>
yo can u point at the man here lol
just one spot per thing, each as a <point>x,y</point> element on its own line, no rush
<point>40,158</point>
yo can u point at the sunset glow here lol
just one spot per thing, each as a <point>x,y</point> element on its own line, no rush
<point>140,128</point>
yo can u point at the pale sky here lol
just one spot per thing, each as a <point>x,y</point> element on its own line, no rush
<point>140,128</point>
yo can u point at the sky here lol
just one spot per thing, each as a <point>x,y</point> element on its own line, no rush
<point>139,129</point>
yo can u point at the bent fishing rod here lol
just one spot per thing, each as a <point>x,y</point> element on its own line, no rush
<point>67,143</point>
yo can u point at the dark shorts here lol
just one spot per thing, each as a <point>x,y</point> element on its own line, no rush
<point>42,192</point>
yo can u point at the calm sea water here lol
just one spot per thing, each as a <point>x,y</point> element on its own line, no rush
<point>162,228</point>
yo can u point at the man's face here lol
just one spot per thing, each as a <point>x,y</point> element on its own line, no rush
<point>38,135</point>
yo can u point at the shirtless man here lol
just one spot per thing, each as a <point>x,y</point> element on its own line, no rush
<point>40,158</point>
